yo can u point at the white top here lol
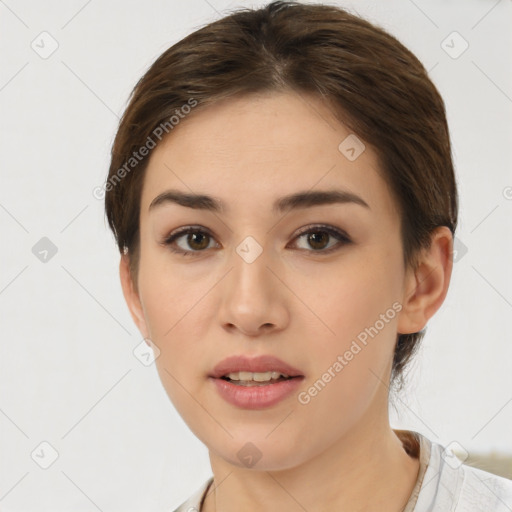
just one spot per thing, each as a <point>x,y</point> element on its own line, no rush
<point>444,484</point>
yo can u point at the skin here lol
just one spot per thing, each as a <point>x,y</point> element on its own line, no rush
<point>294,302</point>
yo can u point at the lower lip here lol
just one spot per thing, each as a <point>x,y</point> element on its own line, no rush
<point>256,397</point>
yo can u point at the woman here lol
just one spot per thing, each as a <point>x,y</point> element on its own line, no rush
<point>283,198</point>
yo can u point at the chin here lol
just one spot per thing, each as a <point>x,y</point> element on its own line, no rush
<point>261,453</point>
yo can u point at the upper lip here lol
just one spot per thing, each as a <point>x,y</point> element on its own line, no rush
<point>264,363</point>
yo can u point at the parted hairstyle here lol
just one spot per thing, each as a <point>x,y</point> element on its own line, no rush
<point>373,84</point>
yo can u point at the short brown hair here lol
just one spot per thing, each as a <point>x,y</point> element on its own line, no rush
<point>374,85</point>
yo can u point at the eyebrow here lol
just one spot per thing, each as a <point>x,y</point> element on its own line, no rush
<point>298,200</point>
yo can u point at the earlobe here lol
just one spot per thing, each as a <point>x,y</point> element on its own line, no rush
<point>426,287</point>
<point>131,296</point>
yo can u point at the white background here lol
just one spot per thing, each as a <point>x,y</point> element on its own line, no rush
<point>67,372</point>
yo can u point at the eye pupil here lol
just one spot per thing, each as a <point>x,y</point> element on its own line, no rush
<point>192,237</point>
<point>314,238</point>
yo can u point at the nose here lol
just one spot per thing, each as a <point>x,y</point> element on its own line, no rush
<point>253,297</point>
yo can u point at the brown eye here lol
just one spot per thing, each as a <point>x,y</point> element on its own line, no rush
<point>317,238</point>
<point>188,241</point>
<point>197,241</point>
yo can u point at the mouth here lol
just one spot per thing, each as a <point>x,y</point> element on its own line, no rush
<point>255,383</point>
<point>257,378</point>
<point>260,370</point>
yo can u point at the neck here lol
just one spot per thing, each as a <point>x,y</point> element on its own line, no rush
<point>365,470</point>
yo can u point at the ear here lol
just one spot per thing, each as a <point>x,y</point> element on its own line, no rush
<point>426,287</point>
<point>131,296</point>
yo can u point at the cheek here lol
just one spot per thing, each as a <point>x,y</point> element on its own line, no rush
<point>178,306</point>
<point>359,305</point>
<point>352,295</point>
<point>167,292</point>
<point>349,367</point>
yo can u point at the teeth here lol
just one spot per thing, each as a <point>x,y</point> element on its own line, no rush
<point>255,376</point>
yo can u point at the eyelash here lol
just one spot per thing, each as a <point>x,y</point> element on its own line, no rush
<point>340,235</point>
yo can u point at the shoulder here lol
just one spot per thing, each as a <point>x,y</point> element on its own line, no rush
<point>193,503</point>
<point>450,485</point>
<point>483,491</point>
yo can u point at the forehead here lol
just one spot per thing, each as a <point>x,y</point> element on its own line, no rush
<point>251,150</point>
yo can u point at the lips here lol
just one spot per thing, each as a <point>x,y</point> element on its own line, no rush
<point>264,363</point>
<point>261,395</point>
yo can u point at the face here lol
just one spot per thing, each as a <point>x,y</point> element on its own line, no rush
<point>317,284</point>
